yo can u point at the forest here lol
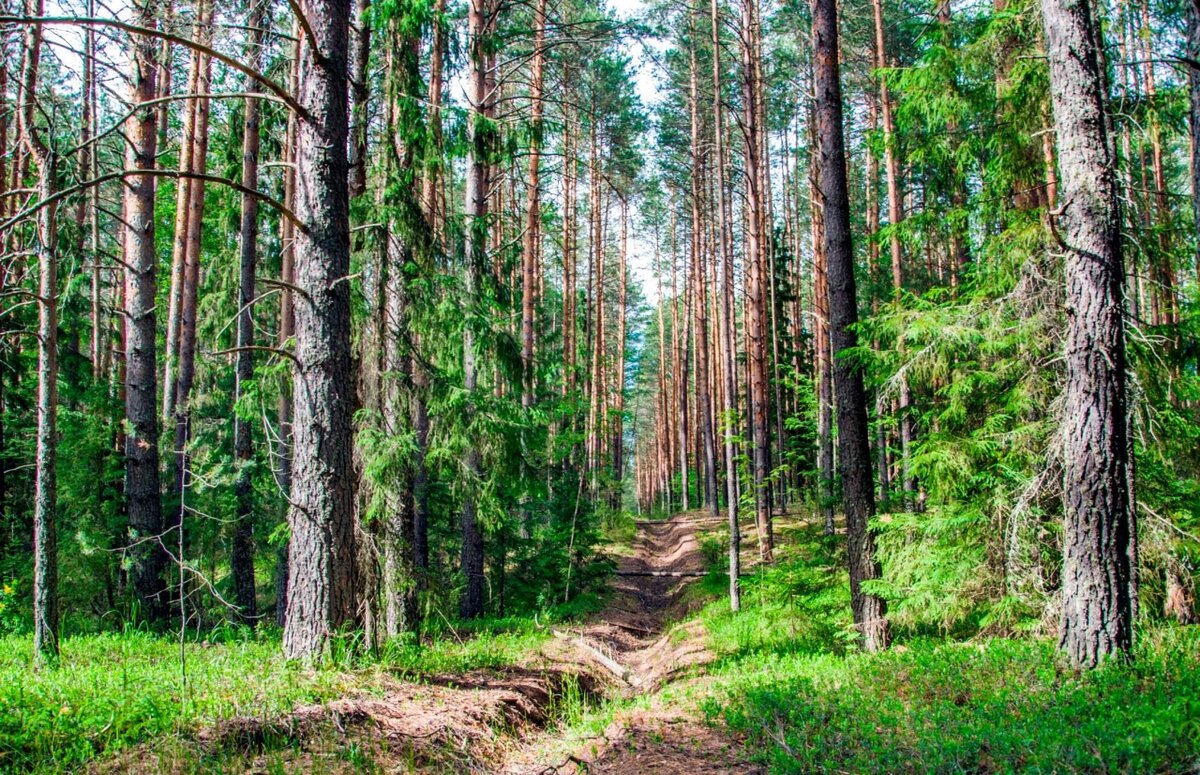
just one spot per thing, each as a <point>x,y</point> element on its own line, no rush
<point>539,386</point>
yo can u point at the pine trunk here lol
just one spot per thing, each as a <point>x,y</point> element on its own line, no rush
<point>475,249</point>
<point>756,291</point>
<point>725,251</point>
<point>142,477</point>
<point>858,487</point>
<point>1097,615</point>
<point>322,558</point>
<point>45,490</point>
<point>242,556</point>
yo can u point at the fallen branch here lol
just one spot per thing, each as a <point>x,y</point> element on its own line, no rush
<point>612,665</point>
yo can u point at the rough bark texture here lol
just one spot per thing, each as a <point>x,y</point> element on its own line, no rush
<point>618,431</point>
<point>408,237</point>
<point>1192,9</point>
<point>533,207</point>
<point>757,283</point>
<point>241,558</point>
<point>142,477</point>
<point>45,497</point>
<point>858,487</point>
<point>45,489</point>
<point>729,399</point>
<point>287,329</point>
<point>183,195</point>
<point>322,583</point>
<point>700,310</point>
<point>360,55</point>
<point>189,302</point>
<point>471,603</point>
<point>822,363</point>
<point>1097,619</point>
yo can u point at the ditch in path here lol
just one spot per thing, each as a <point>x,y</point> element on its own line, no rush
<point>510,720</point>
<point>633,640</point>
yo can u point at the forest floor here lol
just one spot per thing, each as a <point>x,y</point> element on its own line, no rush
<point>641,638</point>
<point>587,699</point>
<point>661,678</point>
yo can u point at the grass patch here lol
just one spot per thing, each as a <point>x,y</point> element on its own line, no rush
<point>488,645</point>
<point>999,705</point>
<point>113,691</point>
<point>791,681</point>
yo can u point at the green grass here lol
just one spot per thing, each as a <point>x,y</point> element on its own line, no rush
<point>792,683</point>
<point>1000,705</point>
<point>490,644</point>
<point>116,690</point>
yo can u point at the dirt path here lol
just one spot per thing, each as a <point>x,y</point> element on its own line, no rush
<point>508,720</point>
<point>629,633</point>
<point>631,639</point>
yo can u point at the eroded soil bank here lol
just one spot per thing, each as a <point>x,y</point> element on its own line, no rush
<point>512,720</point>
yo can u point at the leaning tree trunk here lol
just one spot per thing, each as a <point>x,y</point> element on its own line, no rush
<point>142,477</point>
<point>858,486</point>
<point>241,559</point>
<point>322,559</point>
<point>1097,615</point>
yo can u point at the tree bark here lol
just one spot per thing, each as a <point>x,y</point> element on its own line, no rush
<point>45,491</point>
<point>821,354</point>
<point>1192,10</point>
<point>533,207</point>
<point>142,477</point>
<point>858,487</point>
<point>727,325</point>
<point>360,55</point>
<point>322,556</point>
<point>189,303</point>
<point>183,212</point>
<point>1097,615</point>
<point>679,367</point>
<point>699,306</point>
<point>756,291</point>
<point>242,557</point>
<point>895,218</point>
<point>287,329</point>
<point>618,434</point>
<point>475,249</point>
